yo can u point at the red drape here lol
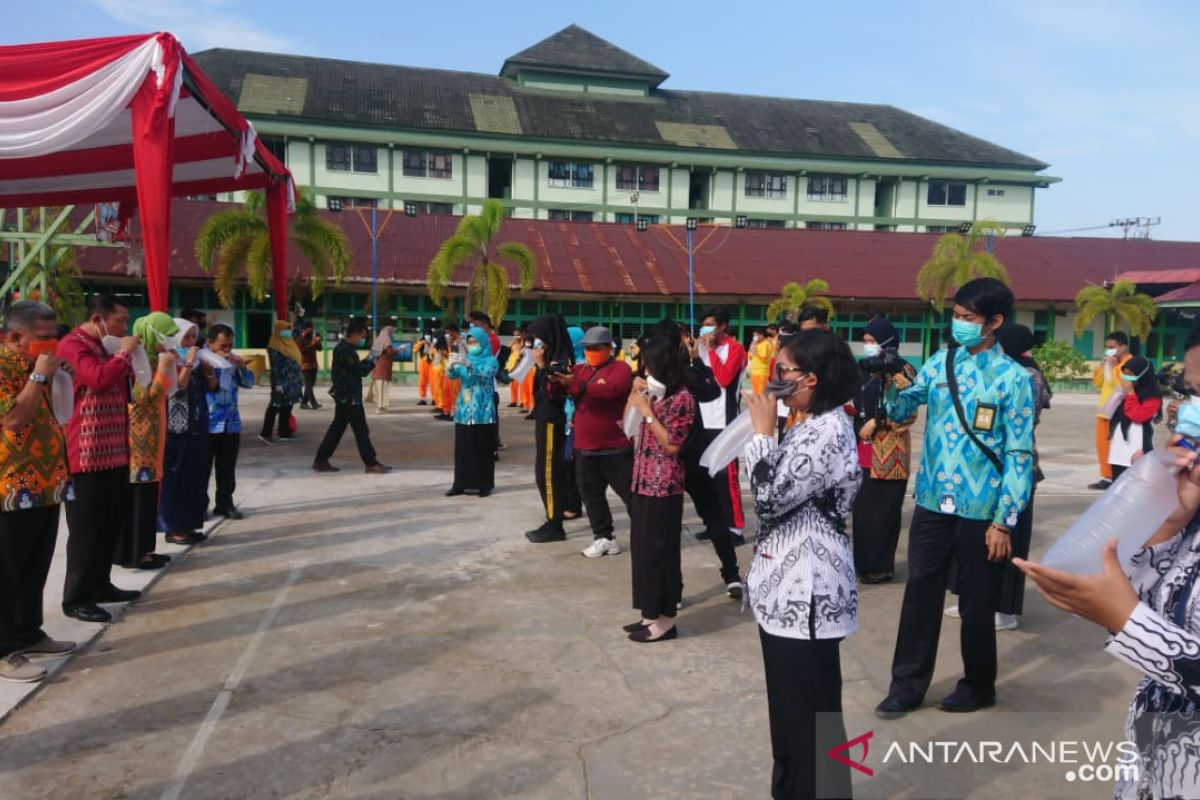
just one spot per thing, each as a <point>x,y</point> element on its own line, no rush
<point>277,212</point>
<point>153,158</point>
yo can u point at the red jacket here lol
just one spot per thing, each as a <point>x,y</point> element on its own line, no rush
<point>97,436</point>
<point>600,397</point>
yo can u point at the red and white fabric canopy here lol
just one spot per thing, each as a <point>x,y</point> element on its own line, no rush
<point>130,119</point>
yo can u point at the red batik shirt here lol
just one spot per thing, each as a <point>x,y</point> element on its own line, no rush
<point>98,436</point>
<point>657,473</point>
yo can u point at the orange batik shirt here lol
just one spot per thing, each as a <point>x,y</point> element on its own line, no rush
<point>33,460</point>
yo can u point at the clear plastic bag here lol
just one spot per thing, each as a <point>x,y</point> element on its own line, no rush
<point>632,422</point>
<point>142,372</point>
<point>729,444</point>
<point>62,396</point>
<point>524,364</point>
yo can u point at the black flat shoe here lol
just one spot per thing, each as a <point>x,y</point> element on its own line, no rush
<point>87,612</point>
<point>957,703</point>
<point>485,492</point>
<point>153,561</point>
<point>185,538</point>
<point>643,636</point>
<point>454,492</point>
<point>633,627</point>
<point>114,595</point>
<point>893,707</point>
<point>877,577</point>
<point>230,513</point>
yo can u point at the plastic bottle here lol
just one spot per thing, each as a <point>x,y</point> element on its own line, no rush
<point>1130,511</point>
<point>729,444</point>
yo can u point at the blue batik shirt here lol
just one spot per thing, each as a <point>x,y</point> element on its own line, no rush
<point>476,404</point>
<point>956,477</point>
<point>223,413</point>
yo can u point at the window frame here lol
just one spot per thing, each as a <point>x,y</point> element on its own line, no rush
<point>570,174</point>
<point>826,193</point>
<point>944,188</point>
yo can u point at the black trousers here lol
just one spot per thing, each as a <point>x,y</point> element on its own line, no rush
<point>27,541</point>
<point>285,418</point>
<point>713,503</point>
<point>804,679</point>
<point>353,415</point>
<point>474,459</point>
<point>136,538</point>
<point>934,541</point>
<point>876,515</point>
<point>95,519</point>
<point>553,473</point>
<point>594,475</point>
<point>222,458</point>
<point>655,524</point>
<point>310,380</point>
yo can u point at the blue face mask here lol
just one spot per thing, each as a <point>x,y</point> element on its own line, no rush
<point>182,351</point>
<point>1188,422</point>
<point>968,334</point>
<point>475,349</point>
<point>285,334</point>
<point>708,330</point>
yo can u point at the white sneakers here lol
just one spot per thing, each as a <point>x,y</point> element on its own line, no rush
<point>17,668</point>
<point>734,589</point>
<point>601,547</point>
<point>1004,622</point>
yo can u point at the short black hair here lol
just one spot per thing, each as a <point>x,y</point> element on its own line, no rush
<point>479,316</point>
<point>826,355</point>
<point>357,325</point>
<point>660,357</point>
<point>450,327</point>
<point>772,327</point>
<point>25,315</point>
<point>814,313</point>
<point>719,313</point>
<point>306,324</point>
<point>986,297</point>
<point>103,304</point>
<point>217,330</point>
<point>1120,337</point>
<point>192,314</point>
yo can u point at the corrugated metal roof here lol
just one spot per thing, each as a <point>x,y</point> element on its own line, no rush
<point>611,260</point>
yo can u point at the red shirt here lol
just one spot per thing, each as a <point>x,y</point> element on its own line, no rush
<point>600,397</point>
<point>98,435</point>
<point>657,473</point>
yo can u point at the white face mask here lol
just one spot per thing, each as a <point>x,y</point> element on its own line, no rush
<point>1111,352</point>
<point>657,388</point>
<point>870,349</point>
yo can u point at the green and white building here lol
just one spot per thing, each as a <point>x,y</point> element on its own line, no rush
<point>576,128</point>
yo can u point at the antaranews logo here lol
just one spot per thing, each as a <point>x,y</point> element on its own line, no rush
<point>836,753</point>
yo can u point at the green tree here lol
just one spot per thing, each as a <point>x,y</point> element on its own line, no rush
<point>957,259</point>
<point>1121,302</point>
<point>1059,361</point>
<point>796,296</point>
<point>474,246</point>
<point>237,243</point>
<point>56,268</point>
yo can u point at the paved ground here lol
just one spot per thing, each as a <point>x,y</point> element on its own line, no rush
<point>363,636</point>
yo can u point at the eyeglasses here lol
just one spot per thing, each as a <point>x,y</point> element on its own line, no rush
<point>781,370</point>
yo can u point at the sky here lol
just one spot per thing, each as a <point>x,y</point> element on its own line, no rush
<point>1105,92</point>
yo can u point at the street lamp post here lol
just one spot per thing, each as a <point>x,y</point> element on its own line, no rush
<point>691,231</point>
<point>374,270</point>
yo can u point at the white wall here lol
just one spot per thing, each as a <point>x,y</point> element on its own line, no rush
<point>1013,206</point>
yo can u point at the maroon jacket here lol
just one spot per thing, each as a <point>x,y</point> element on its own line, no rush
<point>600,397</point>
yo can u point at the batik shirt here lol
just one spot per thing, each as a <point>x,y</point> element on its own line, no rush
<point>956,477</point>
<point>657,473</point>
<point>147,431</point>
<point>222,396</point>
<point>33,460</point>
<point>346,373</point>
<point>475,404</point>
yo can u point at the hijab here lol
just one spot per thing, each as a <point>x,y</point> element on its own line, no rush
<point>484,359</point>
<point>154,329</point>
<point>1146,385</point>
<point>576,334</point>
<point>883,332</point>
<point>552,330</point>
<point>285,347</point>
<point>1017,341</point>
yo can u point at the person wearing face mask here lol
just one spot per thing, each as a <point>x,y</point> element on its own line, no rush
<point>801,585</point>
<point>1132,424</point>
<point>475,417</point>
<point>147,440</point>
<point>183,501</point>
<point>553,353</point>
<point>98,453</point>
<point>445,412</point>
<point>310,344</point>
<point>34,482</point>
<point>762,355</point>
<point>287,383</point>
<point>347,371</point>
<point>1107,378</point>
<point>656,501</point>
<point>884,448</point>
<point>603,458</point>
<point>975,479</point>
<point>222,384</point>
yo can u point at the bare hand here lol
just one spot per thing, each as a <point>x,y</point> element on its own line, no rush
<point>129,344</point>
<point>692,347</point>
<point>641,402</point>
<point>166,364</point>
<point>1108,361</point>
<point>563,379</point>
<point>1106,599</point>
<point>867,431</point>
<point>998,542</point>
<point>1187,482</point>
<point>191,356</point>
<point>763,412</point>
<point>640,386</point>
<point>46,365</point>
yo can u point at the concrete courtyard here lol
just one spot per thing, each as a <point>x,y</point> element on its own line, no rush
<point>363,636</point>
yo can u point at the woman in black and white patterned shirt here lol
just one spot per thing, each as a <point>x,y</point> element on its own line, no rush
<point>1152,613</point>
<point>801,583</point>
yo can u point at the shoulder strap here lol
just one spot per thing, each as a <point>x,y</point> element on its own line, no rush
<point>952,384</point>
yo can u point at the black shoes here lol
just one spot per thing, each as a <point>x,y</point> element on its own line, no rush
<point>633,627</point>
<point>229,513</point>
<point>87,612</point>
<point>485,493</point>
<point>876,577</point>
<point>643,636</point>
<point>1100,485</point>
<point>704,535</point>
<point>548,532</point>
<point>958,702</point>
<point>893,707</point>
<point>454,492</point>
<point>377,469</point>
<point>324,466</point>
<point>422,403</point>
<point>114,595</point>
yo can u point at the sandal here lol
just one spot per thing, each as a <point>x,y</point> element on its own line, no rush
<point>153,561</point>
<point>185,538</point>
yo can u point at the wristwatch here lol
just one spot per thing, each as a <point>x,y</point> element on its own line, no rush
<point>38,378</point>
<point>649,420</point>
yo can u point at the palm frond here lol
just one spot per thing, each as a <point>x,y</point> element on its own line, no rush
<point>497,291</point>
<point>492,215</point>
<point>330,239</point>
<point>230,265</point>
<point>454,253</point>
<point>258,267</point>
<point>255,202</point>
<point>221,228</point>
<point>318,262</point>
<point>474,229</point>
<point>522,257</point>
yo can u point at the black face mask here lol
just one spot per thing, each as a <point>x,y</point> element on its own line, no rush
<point>782,389</point>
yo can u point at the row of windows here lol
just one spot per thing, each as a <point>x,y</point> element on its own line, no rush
<point>364,158</point>
<point>336,202</point>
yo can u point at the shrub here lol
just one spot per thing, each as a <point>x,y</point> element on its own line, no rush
<point>1059,361</point>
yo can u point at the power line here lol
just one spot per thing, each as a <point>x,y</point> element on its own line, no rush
<point>1140,227</point>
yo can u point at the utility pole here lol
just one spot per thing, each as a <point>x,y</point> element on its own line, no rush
<point>1139,225</point>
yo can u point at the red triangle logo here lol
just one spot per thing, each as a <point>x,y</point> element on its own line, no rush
<point>840,753</point>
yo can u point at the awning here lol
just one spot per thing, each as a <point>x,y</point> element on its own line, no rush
<point>130,119</point>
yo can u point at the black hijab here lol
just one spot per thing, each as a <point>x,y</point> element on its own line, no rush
<point>552,330</point>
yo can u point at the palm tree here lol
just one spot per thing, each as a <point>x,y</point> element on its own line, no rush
<point>957,259</point>
<point>796,296</point>
<point>1122,301</point>
<point>237,242</point>
<point>474,246</point>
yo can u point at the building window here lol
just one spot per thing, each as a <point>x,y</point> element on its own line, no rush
<point>995,193</point>
<point>827,189</point>
<point>277,146</point>
<point>765,223</point>
<point>355,202</point>
<point>627,219</point>
<point>942,193</point>
<point>350,158</point>
<point>766,184</point>
<point>421,164</point>
<point>570,174</point>
<point>825,226</point>
<point>562,215</point>
<point>631,177</point>
<point>941,228</point>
